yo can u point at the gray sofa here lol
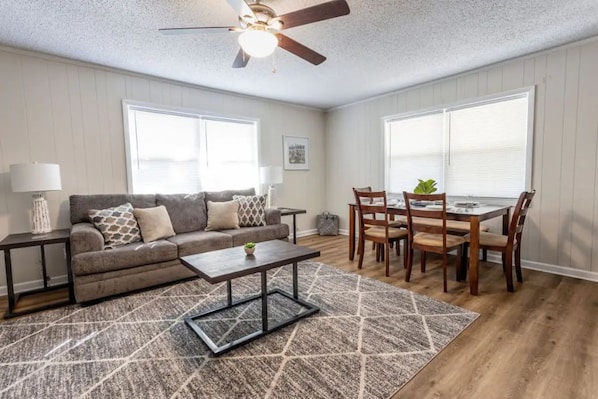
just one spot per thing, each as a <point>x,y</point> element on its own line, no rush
<point>99,272</point>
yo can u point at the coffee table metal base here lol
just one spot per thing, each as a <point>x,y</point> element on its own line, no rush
<point>266,329</point>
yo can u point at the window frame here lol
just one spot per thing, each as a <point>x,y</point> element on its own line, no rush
<point>200,115</point>
<point>464,104</point>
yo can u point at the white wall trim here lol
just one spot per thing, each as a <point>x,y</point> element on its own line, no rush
<point>526,264</point>
<point>34,284</point>
<point>538,266</point>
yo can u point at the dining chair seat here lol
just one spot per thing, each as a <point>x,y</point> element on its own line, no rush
<point>435,240</point>
<point>381,233</point>
<point>491,240</point>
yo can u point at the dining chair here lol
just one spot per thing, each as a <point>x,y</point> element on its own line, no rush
<point>510,243</point>
<point>393,223</point>
<point>430,237</point>
<point>374,226</point>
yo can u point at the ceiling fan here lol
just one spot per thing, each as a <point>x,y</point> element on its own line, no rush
<point>260,26</point>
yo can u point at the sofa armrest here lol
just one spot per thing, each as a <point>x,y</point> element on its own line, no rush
<point>85,238</point>
<point>272,216</point>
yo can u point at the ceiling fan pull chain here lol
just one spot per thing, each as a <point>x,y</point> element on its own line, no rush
<point>274,62</point>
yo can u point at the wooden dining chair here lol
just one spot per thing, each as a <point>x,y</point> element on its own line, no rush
<point>430,237</point>
<point>374,226</point>
<point>510,243</point>
<point>392,223</point>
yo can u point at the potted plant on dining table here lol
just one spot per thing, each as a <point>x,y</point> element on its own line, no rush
<point>425,187</point>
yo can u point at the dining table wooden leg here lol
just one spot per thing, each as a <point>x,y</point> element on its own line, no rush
<point>474,245</point>
<point>351,232</point>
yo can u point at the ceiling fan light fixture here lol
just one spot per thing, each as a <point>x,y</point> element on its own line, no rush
<point>258,43</point>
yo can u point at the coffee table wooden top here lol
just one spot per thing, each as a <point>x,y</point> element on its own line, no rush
<point>227,264</point>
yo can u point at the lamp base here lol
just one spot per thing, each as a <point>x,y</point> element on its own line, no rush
<point>271,201</point>
<point>41,216</point>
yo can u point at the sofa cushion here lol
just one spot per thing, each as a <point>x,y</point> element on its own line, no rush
<point>187,212</point>
<point>227,195</point>
<point>118,225</point>
<point>258,234</point>
<point>81,204</point>
<point>223,215</point>
<point>154,223</point>
<point>196,242</point>
<point>123,257</point>
<point>252,210</point>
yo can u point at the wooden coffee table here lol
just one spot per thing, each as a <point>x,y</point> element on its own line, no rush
<point>231,263</point>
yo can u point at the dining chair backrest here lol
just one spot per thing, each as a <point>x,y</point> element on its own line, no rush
<point>370,204</point>
<point>519,216</point>
<point>426,212</point>
<point>367,189</point>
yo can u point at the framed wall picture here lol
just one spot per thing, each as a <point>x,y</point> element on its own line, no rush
<point>296,153</point>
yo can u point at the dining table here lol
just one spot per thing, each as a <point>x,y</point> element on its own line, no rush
<point>473,214</point>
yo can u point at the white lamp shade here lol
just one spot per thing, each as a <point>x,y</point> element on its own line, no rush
<point>271,174</point>
<point>258,43</point>
<point>35,177</point>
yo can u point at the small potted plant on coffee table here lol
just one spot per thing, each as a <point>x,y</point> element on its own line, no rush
<point>249,248</point>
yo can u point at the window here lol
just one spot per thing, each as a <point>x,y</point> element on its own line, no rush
<point>481,148</point>
<point>171,151</point>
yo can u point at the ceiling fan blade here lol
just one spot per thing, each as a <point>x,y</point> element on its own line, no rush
<point>320,12</point>
<point>199,29</point>
<point>299,49</point>
<point>242,9</point>
<point>241,59</point>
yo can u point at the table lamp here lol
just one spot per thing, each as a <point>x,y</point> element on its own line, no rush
<point>271,175</point>
<point>37,178</point>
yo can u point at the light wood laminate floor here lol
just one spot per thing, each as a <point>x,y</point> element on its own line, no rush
<point>539,342</point>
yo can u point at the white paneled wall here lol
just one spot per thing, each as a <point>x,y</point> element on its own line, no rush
<point>70,113</point>
<point>562,231</point>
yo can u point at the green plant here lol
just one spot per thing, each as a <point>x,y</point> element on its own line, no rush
<point>425,187</point>
<point>249,245</point>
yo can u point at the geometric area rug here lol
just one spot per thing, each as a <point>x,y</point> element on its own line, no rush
<point>367,341</point>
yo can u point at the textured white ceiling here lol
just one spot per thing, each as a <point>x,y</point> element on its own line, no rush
<point>381,46</point>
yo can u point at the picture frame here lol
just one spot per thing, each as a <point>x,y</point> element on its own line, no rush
<point>296,153</point>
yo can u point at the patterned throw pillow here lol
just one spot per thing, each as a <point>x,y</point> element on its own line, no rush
<point>118,225</point>
<point>252,210</point>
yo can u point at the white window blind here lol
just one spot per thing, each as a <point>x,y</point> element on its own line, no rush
<point>180,152</point>
<point>480,149</point>
<point>231,159</point>
<point>415,151</point>
<point>165,153</point>
<point>486,151</point>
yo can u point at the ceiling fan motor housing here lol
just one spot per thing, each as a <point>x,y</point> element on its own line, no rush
<point>263,14</point>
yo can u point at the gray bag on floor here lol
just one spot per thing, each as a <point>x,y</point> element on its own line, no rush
<point>327,224</point>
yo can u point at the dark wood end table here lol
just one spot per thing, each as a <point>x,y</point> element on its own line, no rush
<point>231,263</point>
<point>25,240</point>
<point>294,212</point>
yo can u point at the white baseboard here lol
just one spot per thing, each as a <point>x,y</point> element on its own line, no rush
<point>538,266</point>
<point>526,264</point>
<point>34,284</point>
